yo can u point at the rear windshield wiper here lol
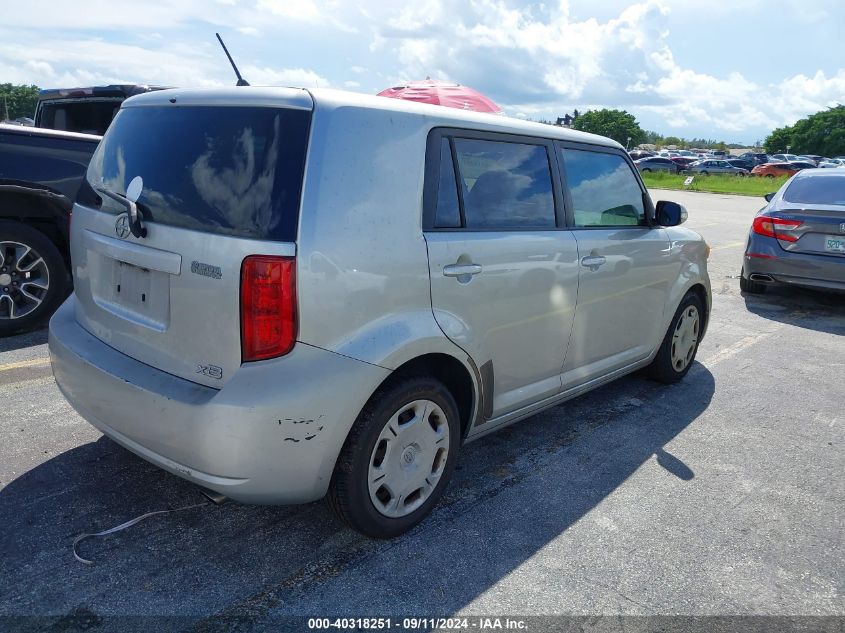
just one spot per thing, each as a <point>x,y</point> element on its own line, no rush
<point>135,226</point>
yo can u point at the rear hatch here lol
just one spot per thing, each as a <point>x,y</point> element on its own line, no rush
<point>221,180</point>
<point>814,208</point>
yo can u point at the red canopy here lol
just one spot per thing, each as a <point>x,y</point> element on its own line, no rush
<point>442,93</point>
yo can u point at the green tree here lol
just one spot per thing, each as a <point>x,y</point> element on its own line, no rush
<point>653,137</point>
<point>672,140</point>
<point>616,124</point>
<point>18,100</point>
<point>777,141</point>
<point>822,133</point>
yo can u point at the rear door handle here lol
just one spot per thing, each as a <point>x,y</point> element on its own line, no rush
<point>593,261</point>
<point>459,270</point>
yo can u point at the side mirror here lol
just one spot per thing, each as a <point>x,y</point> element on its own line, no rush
<point>670,213</point>
<point>769,196</point>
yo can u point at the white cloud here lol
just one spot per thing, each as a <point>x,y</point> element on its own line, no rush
<point>298,77</point>
<point>322,14</point>
<point>58,63</point>
<point>536,60</point>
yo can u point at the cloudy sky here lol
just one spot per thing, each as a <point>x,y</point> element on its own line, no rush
<point>706,68</point>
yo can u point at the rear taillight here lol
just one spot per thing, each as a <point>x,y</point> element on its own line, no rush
<point>268,306</point>
<point>776,227</point>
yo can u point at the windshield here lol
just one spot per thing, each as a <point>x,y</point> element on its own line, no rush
<point>825,190</point>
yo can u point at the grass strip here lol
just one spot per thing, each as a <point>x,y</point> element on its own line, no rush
<point>739,185</point>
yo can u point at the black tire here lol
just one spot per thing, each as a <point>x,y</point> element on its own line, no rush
<point>58,282</point>
<point>770,175</point>
<point>661,368</point>
<point>704,173</point>
<point>349,496</point>
<point>645,170</point>
<point>751,287</point>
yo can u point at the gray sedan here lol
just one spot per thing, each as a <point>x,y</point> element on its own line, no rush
<point>798,238</point>
<point>714,166</point>
<point>657,163</point>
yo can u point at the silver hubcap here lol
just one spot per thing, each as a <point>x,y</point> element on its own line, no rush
<point>24,280</point>
<point>408,459</point>
<point>685,338</point>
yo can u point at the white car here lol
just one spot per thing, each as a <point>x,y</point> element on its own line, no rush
<point>832,162</point>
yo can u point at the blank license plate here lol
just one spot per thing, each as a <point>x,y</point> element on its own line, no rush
<point>834,243</point>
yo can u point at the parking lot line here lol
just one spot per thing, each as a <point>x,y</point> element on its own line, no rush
<point>736,348</point>
<point>35,362</point>
<point>731,245</point>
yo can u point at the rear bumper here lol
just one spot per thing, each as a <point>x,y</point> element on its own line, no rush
<point>272,434</point>
<point>764,256</point>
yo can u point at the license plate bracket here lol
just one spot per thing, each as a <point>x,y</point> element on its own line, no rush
<point>133,293</point>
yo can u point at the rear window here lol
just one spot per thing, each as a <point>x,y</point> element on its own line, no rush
<point>89,116</point>
<point>227,170</point>
<point>820,190</point>
<point>506,185</point>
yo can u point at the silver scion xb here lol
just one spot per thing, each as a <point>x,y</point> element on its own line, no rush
<point>282,294</point>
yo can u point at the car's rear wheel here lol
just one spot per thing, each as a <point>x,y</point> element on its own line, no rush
<point>751,287</point>
<point>645,170</point>
<point>770,175</point>
<point>398,458</point>
<point>704,173</point>
<point>680,344</point>
<point>33,278</point>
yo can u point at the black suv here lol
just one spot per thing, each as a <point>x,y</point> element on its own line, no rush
<point>41,169</point>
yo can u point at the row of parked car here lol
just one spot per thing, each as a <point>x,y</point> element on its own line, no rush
<point>750,163</point>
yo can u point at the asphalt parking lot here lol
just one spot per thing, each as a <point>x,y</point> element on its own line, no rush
<point>720,495</point>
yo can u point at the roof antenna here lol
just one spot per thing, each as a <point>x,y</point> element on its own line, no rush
<point>241,80</point>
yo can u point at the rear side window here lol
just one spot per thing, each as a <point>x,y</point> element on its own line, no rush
<point>228,170</point>
<point>505,185</point>
<point>826,190</point>
<point>603,188</point>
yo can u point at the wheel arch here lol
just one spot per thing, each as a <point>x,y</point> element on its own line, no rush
<point>701,292</point>
<point>456,376</point>
<point>45,211</point>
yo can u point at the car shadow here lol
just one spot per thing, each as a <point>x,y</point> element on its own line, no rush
<point>17,341</point>
<point>244,564</point>
<point>801,307</point>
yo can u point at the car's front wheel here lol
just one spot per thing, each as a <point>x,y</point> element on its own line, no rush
<point>398,458</point>
<point>33,277</point>
<point>680,344</point>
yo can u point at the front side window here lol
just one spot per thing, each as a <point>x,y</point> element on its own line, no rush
<point>603,188</point>
<point>505,185</point>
